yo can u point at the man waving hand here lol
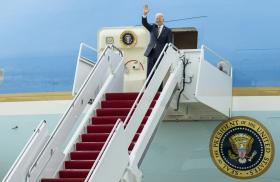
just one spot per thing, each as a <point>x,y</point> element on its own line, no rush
<point>159,36</point>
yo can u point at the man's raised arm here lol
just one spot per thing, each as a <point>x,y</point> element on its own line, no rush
<point>145,23</point>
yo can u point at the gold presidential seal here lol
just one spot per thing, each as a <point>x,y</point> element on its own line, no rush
<point>128,39</point>
<point>242,147</point>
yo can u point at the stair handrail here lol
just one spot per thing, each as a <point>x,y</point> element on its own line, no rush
<point>99,157</point>
<point>88,46</point>
<point>69,108</point>
<point>103,149</point>
<point>89,112</point>
<point>172,64</point>
<point>131,128</point>
<point>95,66</point>
<point>144,86</point>
<point>204,47</point>
<point>87,61</point>
<point>84,59</point>
<point>147,80</point>
<point>25,148</point>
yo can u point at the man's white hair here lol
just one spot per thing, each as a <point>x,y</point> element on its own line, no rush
<point>159,14</point>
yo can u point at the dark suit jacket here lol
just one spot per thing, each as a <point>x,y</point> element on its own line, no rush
<point>156,42</point>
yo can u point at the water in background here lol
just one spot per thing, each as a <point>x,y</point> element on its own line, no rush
<point>253,68</point>
<point>43,74</point>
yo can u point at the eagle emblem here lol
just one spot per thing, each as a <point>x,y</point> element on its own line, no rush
<point>128,39</point>
<point>241,145</point>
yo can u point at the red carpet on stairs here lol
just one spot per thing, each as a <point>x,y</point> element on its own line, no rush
<point>115,106</point>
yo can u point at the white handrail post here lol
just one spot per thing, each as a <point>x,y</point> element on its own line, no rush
<point>92,108</point>
<point>148,95</point>
<point>151,125</point>
<point>28,153</point>
<point>170,59</point>
<point>76,82</point>
<point>202,53</point>
<point>69,117</point>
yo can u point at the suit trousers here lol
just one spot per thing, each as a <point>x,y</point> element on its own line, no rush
<point>151,62</point>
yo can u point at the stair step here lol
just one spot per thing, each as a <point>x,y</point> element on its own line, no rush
<point>97,146</point>
<point>84,155</point>
<point>64,180</point>
<point>95,137</point>
<point>121,96</point>
<point>120,103</point>
<point>87,146</point>
<point>100,128</point>
<point>111,119</point>
<point>140,128</point>
<point>131,146</point>
<point>125,96</point>
<point>116,112</point>
<point>116,105</point>
<point>135,138</point>
<point>106,119</point>
<point>106,128</point>
<point>79,164</point>
<point>73,173</point>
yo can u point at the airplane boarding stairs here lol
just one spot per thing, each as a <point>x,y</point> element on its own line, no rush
<point>116,128</point>
<point>115,106</point>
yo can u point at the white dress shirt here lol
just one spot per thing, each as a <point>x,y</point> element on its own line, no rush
<point>160,30</point>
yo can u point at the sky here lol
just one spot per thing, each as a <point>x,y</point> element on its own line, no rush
<point>30,27</point>
<point>245,32</point>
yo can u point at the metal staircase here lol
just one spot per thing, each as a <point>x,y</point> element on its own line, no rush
<point>116,128</point>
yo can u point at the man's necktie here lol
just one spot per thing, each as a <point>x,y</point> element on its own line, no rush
<point>158,31</point>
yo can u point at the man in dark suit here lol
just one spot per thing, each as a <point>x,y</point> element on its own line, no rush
<point>159,36</point>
